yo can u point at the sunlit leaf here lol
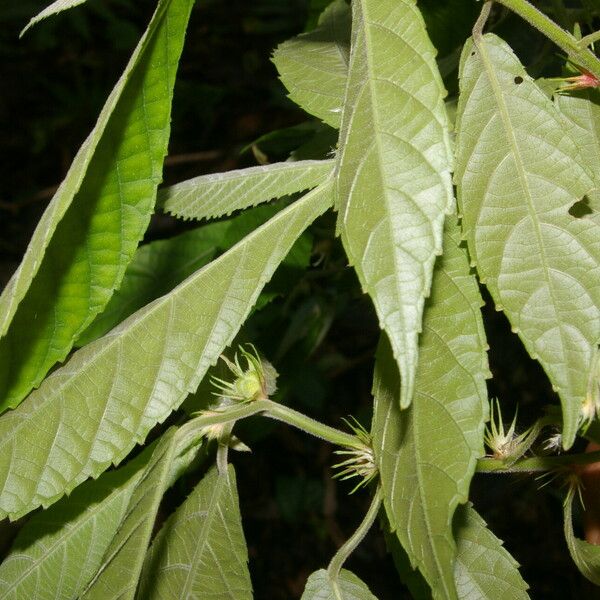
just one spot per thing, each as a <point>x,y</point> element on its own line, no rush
<point>585,555</point>
<point>313,66</point>
<point>122,563</point>
<point>89,232</point>
<point>518,174</point>
<point>200,552</point>
<point>92,411</point>
<point>221,193</point>
<point>484,569</point>
<point>394,184</point>
<point>59,550</point>
<point>427,453</point>
<point>347,586</point>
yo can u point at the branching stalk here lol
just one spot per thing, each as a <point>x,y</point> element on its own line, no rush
<point>536,464</point>
<point>356,538</point>
<point>274,411</point>
<point>575,49</point>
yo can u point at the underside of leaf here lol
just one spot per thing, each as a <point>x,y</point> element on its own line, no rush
<point>518,173</point>
<point>91,412</point>
<point>427,453</point>
<point>219,194</point>
<point>314,66</point>
<point>394,185</point>
<point>201,552</point>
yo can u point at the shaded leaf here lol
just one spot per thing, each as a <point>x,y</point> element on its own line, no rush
<point>484,568</point>
<point>427,454</point>
<point>220,194</point>
<point>347,586</point>
<point>89,233</point>
<point>122,563</point>
<point>518,174</point>
<point>52,9</point>
<point>59,550</point>
<point>394,182</point>
<point>411,578</point>
<point>201,552</point>
<point>314,65</point>
<point>585,555</point>
<point>91,412</point>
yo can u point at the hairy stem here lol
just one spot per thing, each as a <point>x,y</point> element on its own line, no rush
<point>356,538</point>
<point>536,464</point>
<point>563,39</point>
<point>279,412</point>
<point>300,421</point>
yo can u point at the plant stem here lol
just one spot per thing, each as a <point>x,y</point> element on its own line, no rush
<point>536,464</point>
<point>296,419</point>
<point>279,412</point>
<point>356,538</point>
<point>580,55</point>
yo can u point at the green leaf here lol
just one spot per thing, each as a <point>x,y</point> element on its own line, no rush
<point>518,173</point>
<point>483,569</point>
<point>411,578</point>
<point>394,182</point>
<point>52,9</point>
<point>220,194</point>
<point>427,453</point>
<point>585,555</point>
<point>313,66</point>
<point>159,266</point>
<point>119,573</point>
<point>89,233</point>
<point>347,586</point>
<point>59,550</point>
<point>582,110</point>
<point>201,551</point>
<point>91,412</point>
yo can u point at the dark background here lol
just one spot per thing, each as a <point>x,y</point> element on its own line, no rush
<point>53,83</point>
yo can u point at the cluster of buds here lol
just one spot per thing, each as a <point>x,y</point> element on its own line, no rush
<point>507,445</point>
<point>257,381</point>
<point>361,461</point>
<point>590,408</point>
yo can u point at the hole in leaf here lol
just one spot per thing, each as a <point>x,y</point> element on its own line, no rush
<point>473,53</point>
<point>518,79</point>
<point>581,208</point>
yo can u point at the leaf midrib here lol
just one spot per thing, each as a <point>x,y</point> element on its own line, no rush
<point>510,138</point>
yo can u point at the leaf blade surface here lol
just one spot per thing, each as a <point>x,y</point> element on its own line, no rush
<point>347,586</point>
<point>518,173</point>
<point>220,194</point>
<point>91,412</point>
<point>484,569</point>
<point>427,453</point>
<point>314,65</point>
<point>201,552</point>
<point>394,186</point>
<point>118,574</point>
<point>89,233</point>
<point>59,550</point>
